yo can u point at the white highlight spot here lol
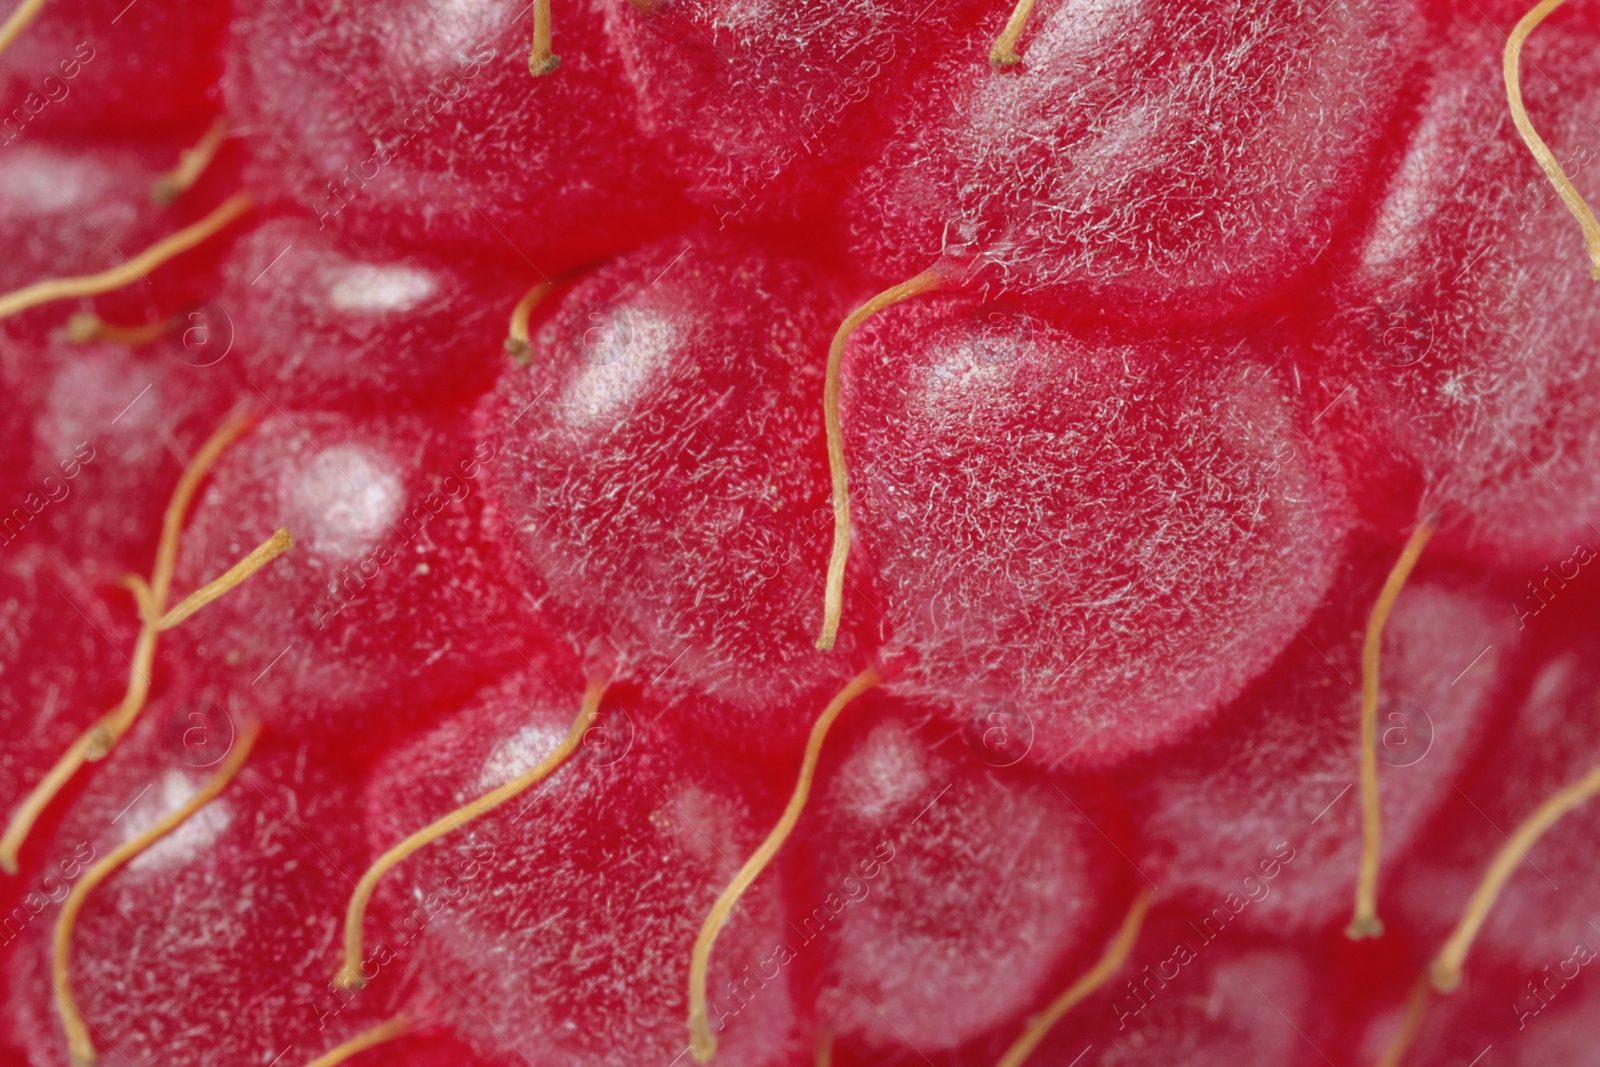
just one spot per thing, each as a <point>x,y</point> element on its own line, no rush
<point>344,499</point>
<point>42,181</point>
<point>368,287</point>
<point>514,756</point>
<point>1401,223</point>
<point>700,824</point>
<point>621,350</point>
<point>888,771</point>
<point>190,840</point>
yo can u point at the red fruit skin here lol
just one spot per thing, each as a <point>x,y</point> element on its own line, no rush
<point>16,437</point>
<point>769,111</point>
<point>933,895</point>
<point>1109,539</point>
<point>1240,1000</point>
<point>79,206</point>
<point>63,647</point>
<point>57,199</point>
<point>1500,1016</point>
<point>1151,167</point>
<point>391,605</point>
<point>1457,361</point>
<point>1279,770</point>
<point>559,926</point>
<point>665,475</point>
<point>1544,740</point>
<point>363,327</point>
<point>16,442</point>
<point>1170,159</point>
<point>428,1048</point>
<point>110,67</point>
<point>1505,14</point>
<point>112,430</point>
<point>208,947</point>
<point>432,129</point>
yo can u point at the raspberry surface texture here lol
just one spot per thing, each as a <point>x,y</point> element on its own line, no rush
<point>618,533</point>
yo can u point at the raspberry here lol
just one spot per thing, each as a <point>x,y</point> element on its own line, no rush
<point>1199,1003</point>
<point>107,68</point>
<point>769,112</point>
<point>126,421</point>
<point>1546,733</point>
<point>59,665</point>
<point>421,447</point>
<point>16,441</point>
<point>75,206</point>
<point>1521,984</point>
<point>1140,157</point>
